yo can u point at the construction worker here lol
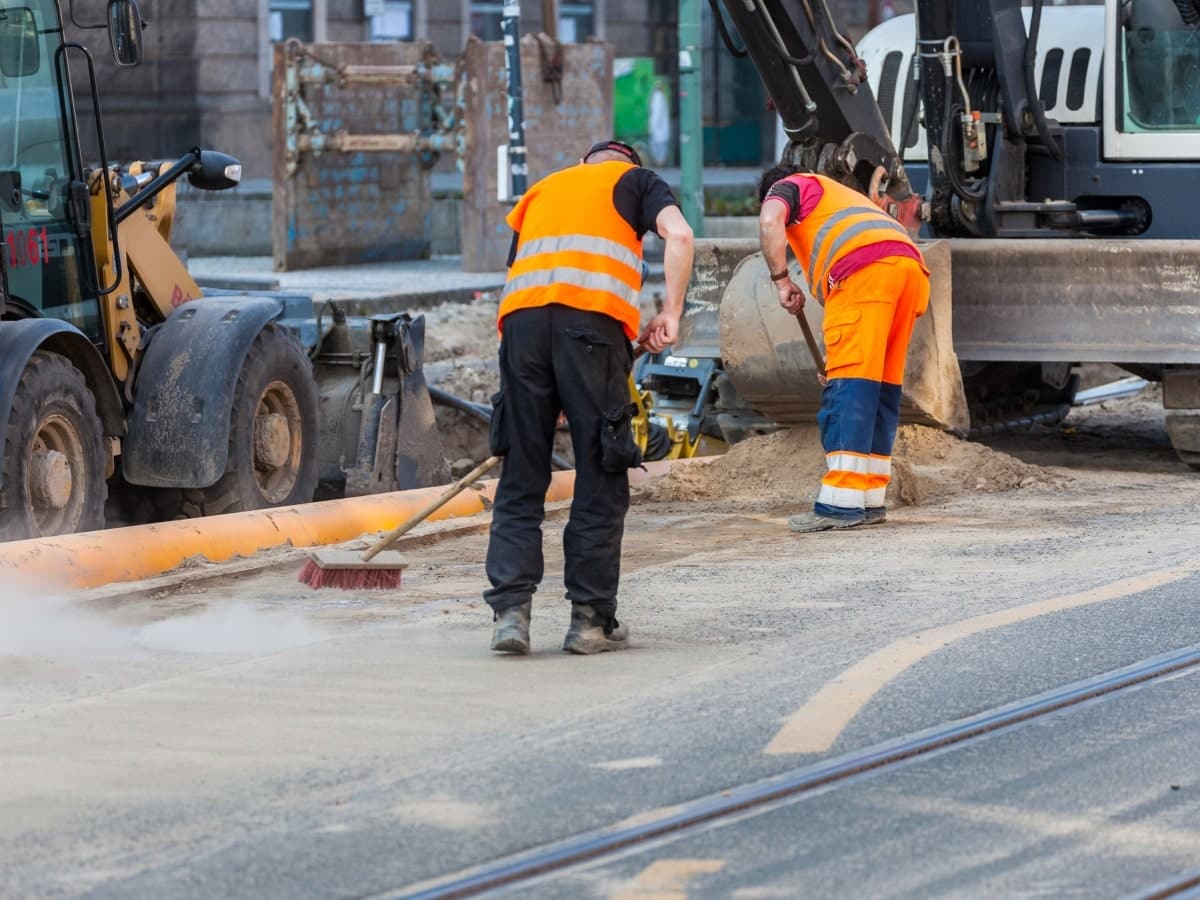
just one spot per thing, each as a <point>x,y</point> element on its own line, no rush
<point>567,316</point>
<point>863,267</point>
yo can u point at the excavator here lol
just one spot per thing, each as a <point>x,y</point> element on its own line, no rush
<point>1051,159</point>
<point>117,371</point>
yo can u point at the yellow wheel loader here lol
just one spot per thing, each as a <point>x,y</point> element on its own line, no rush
<point>117,371</point>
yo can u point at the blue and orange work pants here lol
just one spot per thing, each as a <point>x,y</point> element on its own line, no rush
<point>869,319</point>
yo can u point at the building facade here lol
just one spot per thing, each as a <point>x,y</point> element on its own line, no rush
<point>206,75</point>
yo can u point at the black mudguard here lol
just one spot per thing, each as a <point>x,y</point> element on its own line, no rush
<point>183,393</point>
<point>419,457</point>
<point>21,338</point>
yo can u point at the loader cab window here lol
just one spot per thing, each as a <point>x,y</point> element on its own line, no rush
<point>42,259</point>
<point>1159,48</point>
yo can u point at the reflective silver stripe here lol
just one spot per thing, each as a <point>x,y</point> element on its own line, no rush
<point>880,465</point>
<point>847,498</point>
<point>847,462</point>
<point>876,496</point>
<point>817,278</point>
<point>840,216</point>
<point>591,281</point>
<point>581,243</point>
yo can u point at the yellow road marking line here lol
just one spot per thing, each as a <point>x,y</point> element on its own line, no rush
<point>816,725</point>
<point>667,879</point>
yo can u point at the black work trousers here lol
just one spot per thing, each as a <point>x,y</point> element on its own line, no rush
<point>556,358</point>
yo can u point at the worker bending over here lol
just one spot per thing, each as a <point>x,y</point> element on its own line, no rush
<point>863,267</point>
<point>567,316</point>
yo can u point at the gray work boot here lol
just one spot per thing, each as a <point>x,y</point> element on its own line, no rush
<point>511,634</point>
<point>592,633</point>
<point>875,515</point>
<point>807,522</point>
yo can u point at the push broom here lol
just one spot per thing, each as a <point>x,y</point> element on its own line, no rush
<point>374,570</point>
<point>349,570</point>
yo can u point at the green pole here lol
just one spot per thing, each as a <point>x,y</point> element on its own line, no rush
<point>691,116</point>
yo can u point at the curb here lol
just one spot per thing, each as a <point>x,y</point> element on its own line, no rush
<point>97,558</point>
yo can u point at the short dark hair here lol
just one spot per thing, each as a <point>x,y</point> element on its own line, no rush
<point>615,147</point>
<point>769,177</point>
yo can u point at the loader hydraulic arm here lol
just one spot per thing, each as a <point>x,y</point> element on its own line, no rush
<point>818,85</point>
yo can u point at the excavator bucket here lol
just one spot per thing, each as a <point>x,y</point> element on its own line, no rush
<point>769,364</point>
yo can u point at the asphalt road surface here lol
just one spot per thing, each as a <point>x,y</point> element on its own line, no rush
<point>228,733</point>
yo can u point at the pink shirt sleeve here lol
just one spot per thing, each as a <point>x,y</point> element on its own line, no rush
<point>799,193</point>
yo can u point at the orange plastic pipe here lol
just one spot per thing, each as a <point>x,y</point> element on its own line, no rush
<point>97,558</point>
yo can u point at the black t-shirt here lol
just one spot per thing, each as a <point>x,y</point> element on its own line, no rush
<point>639,196</point>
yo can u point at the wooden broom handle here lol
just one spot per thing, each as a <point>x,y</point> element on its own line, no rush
<point>813,348</point>
<point>432,506</point>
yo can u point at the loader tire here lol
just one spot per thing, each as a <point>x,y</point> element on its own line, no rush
<point>54,462</point>
<point>272,435</point>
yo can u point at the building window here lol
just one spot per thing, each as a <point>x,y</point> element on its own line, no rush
<point>576,22</point>
<point>485,21</point>
<point>290,19</point>
<point>391,20</point>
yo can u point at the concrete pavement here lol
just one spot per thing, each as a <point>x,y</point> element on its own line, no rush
<point>250,738</point>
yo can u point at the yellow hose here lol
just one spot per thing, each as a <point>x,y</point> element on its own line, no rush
<point>97,558</point>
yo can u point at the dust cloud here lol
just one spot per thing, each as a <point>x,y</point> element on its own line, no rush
<point>230,628</point>
<point>35,623</point>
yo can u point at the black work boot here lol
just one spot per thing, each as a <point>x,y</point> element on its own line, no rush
<point>875,515</point>
<point>511,634</point>
<point>592,633</point>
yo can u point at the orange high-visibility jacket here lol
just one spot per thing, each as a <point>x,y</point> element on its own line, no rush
<point>843,222</point>
<point>574,248</point>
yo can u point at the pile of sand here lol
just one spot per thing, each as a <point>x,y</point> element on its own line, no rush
<point>462,331</point>
<point>786,467</point>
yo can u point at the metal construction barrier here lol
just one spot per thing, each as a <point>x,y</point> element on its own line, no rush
<point>357,129</point>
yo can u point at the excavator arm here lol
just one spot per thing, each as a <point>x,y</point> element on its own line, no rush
<point>819,87</point>
<point>988,133</point>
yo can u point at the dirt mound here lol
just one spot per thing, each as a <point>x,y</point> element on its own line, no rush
<point>786,467</point>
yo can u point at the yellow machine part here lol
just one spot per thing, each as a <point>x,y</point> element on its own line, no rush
<point>148,264</point>
<point>681,445</point>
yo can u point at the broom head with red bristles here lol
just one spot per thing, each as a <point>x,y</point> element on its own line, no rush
<point>345,570</point>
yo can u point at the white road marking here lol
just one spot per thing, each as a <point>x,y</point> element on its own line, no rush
<point>637,762</point>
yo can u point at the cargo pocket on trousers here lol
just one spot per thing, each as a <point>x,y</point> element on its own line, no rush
<point>843,346</point>
<point>498,441</point>
<point>618,450</point>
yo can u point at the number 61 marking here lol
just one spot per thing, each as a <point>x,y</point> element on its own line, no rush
<point>28,248</point>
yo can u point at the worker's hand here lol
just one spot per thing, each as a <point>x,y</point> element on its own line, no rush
<point>660,332</point>
<point>791,297</point>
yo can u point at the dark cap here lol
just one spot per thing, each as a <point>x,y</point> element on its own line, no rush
<point>617,147</point>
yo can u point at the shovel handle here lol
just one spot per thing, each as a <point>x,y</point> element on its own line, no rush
<point>431,507</point>
<point>811,340</point>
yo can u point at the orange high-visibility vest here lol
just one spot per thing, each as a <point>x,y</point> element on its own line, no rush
<point>574,248</point>
<point>843,222</point>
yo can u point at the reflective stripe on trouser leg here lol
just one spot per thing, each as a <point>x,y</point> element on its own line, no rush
<point>847,423</point>
<point>868,323</point>
<point>879,473</point>
<point>847,480</point>
<point>887,419</point>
